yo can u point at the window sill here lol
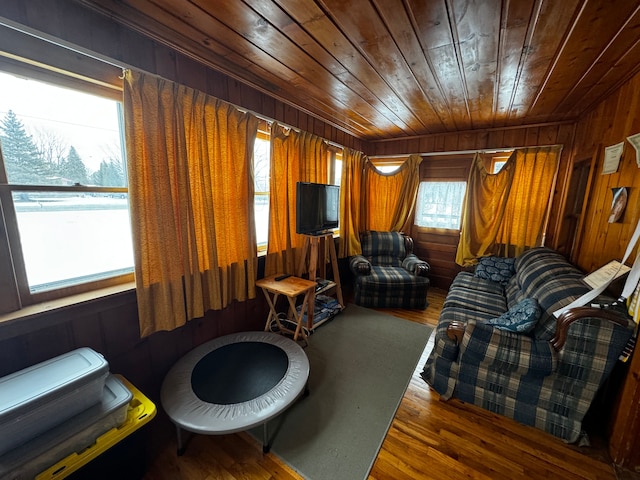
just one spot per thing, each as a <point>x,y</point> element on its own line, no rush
<point>41,315</point>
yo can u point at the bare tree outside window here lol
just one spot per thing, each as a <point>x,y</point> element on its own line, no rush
<point>439,204</point>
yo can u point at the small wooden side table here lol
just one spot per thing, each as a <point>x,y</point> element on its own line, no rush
<point>291,287</point>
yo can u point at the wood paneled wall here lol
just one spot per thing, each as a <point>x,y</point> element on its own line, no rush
<point>110,326</point>
<point>609,123</point>
<point>497,138</point>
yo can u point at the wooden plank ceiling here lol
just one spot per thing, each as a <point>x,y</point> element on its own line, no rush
<point>382,69</point>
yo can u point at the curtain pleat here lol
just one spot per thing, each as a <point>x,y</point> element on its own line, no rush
<point>527,208</point>
<point>351,204</point>
<point>295,156</point>
<point>506,213</point>
<point>391,197</point>
<point>191,201</point>
<point>483,210</point>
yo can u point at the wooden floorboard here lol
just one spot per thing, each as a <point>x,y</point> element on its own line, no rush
<point>428,439</point>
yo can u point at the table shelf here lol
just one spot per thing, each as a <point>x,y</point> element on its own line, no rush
<point>290,287</point>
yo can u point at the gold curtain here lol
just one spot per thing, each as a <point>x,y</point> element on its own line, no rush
<point>391,197</point>
<point>191,201</point>
<point>295,156</point>
<point>527,209</point>
<point>483,209</point>
<point>351,204</point>
<point>506,213</point>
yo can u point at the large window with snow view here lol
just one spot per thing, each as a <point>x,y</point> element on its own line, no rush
<point>64,185</point>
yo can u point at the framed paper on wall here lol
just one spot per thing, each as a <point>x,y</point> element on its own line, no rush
<point>635,141</point>
<point>612,156</point>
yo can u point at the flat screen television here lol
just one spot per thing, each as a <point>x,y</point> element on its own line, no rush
<point>317,208</point>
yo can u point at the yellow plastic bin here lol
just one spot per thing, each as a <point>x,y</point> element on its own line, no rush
<point>141,410</point>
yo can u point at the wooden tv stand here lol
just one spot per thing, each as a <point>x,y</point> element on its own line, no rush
<point>315,245</point>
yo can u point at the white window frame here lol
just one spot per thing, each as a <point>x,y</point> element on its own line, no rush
<point>12,265</point>
<point>263,135</point>
<point>420,206</point>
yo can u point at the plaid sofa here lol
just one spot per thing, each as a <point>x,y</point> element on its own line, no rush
<point>521,375</point>
<point>388,274</point>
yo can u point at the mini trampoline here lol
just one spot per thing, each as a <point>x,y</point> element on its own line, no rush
<point>234,383</point>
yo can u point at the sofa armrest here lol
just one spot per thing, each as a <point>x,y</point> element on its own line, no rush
<point>455,331</point>
<point>579,313</point>
<point>360,265</point>
<point>506,351</point>
<point>414,265</point>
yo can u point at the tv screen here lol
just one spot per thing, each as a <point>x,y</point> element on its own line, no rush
<point>317,208</point>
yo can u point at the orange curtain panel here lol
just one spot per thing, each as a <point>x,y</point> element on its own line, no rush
<point>191,200</point>
<point>390,198</point>
<point>351,204</point>
<point>295,156</point>
<point>507,213</point>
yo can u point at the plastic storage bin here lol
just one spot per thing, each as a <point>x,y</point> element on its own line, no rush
<point>47,394</point>
<point>72,436</point>
<point>96,462</point>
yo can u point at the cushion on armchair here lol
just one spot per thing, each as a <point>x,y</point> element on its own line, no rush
<point>383,248</point>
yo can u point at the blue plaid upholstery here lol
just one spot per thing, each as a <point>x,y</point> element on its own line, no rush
<point>469,281</point>
<point>480,301</point>
<point>390,280</point>
<point>520,375</point>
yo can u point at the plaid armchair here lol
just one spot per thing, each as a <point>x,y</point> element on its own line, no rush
<point>388,274</point>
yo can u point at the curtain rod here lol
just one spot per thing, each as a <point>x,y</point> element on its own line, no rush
<point>291,127</point>
<point>463,152</point>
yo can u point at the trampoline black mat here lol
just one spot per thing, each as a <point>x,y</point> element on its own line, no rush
<point>238,372</point>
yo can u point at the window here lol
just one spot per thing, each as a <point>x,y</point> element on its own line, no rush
<point>497,162</point>
<point>439,204</point>
<point>261,162</point>
<point>63,184</point>
<point>387,165</point>
<point>335,166</point>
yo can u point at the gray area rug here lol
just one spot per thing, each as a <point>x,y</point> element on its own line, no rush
<point>361,363</point>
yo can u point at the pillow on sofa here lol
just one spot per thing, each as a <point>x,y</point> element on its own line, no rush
<point>521,318</point>
<point>496,269</point>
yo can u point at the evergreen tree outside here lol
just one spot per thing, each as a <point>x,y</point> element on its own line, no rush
<point>23,162</point>
<point>72,170</point>
<point>110,174</point>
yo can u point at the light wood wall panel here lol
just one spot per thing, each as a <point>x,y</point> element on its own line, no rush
<point>609,123</point>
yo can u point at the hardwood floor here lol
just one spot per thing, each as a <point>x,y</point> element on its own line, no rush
<point>428,439</point>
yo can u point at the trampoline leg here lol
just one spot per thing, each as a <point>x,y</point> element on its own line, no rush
<point>179,436</point>
<point>265,439</point>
